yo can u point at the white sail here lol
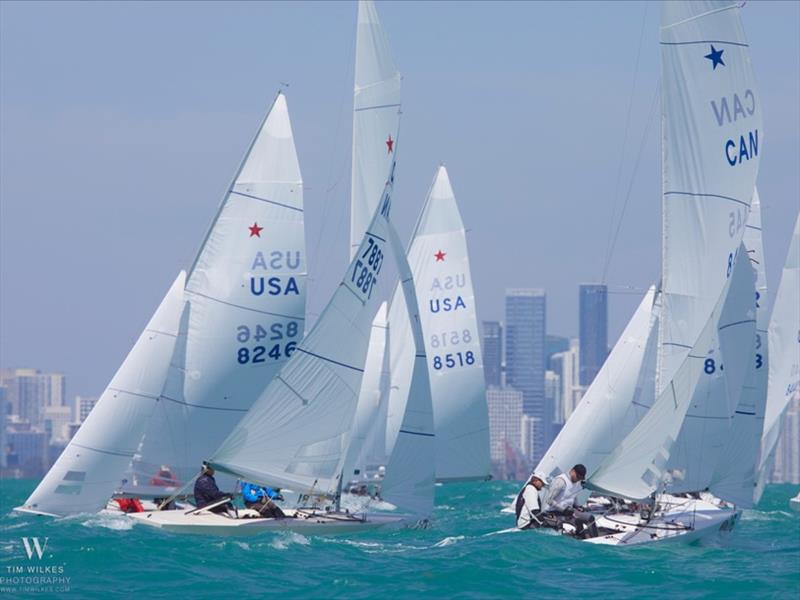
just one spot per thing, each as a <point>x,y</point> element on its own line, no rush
<point>376,119</point>
<point>368,411</point>
<point>637,466</point>
<point>735,475</point>
<point>616,400</point>
<point>707,425</point>
<point>92,465</point>
<point>296,433</point>
<point>247,305</point>
<point>401,365</point>
<point>410,474</point>
<point>440,264</point>
<point>784,346</point>
<point>713,137</point>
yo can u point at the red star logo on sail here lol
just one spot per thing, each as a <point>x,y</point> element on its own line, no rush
<point>390,144</point>
<point>255,230</point>
<point>440,256</point>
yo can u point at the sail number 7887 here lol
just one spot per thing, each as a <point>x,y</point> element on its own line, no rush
<point>367,267</point>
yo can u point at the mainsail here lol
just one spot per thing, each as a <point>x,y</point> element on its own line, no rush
<point>735,476</point>
<point>784,346</point>
<point>296,433</point>
<point>712,137</point>
<point>246,293</point>
<point>376,119</point>
<point>92,465</point>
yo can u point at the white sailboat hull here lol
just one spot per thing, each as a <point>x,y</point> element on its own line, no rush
<point>685,520</point>
<point>794,503</point>
<point>306,522</point>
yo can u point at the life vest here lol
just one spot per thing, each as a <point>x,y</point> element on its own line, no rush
<point>130,505</point>
<point>567,497</point>
<point>528,507</point>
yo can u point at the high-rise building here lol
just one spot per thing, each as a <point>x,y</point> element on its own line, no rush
<point>525,356</point>
<point>56,419</point>
<point>505,417</point>
<point>593,330</point>
<point>31,392</point>
<point>28,451</point>
<point>83,406</point>
<point>493,352</point>
<point>552,393</point>
<point>567,366</point>
<point>553,344</point>
<point>530,429</point>
<point>786,468</point>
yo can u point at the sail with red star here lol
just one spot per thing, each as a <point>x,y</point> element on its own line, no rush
<point>376,119</point>
<point>452,345</point>
<point>246,293</point>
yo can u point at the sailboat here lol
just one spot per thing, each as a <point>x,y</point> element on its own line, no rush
<point>296,434</point>
<point>784,366</point>
<point>439,259</point>
<point>654,427</point>
<point>197,368</point>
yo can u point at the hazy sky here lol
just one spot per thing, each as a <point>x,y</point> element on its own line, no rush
<point>122,124</point>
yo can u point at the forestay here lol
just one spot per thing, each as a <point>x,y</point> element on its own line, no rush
<point>784,345</point>
<point>713,138</point>
<point>620,395</point>
<point>296,433</point>
<point>735,475</point>
<point>707,425</point>
<point>376,119</point>
<point>247,305</point>
<point>92,465</point>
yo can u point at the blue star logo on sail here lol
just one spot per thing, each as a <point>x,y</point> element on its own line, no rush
<point>715,56</point>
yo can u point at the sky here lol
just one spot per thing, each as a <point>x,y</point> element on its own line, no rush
<point>121,125</point>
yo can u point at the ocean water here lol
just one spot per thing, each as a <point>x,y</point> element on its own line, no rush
<point>471,551</point>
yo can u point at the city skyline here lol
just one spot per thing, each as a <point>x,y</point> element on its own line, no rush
<point>534,163</point>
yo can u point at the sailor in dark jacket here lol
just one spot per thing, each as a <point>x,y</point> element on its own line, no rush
<point>206,492</point>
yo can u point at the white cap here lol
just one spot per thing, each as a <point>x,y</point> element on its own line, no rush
<point>542,478</point>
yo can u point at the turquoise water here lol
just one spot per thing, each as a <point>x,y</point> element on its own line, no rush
<point>469,552</point>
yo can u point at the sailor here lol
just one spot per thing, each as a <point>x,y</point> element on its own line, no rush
<point>206,492</point>
<point>564,490</point>
<point>528,505</point>
<point>261,499</point>
<point>561,504</point>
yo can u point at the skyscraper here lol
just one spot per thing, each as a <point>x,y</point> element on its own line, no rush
<point>593,330</point>
<point>505,419</point>
<point>492,352</point>
<point>525,357</point>
<point>31,392</point>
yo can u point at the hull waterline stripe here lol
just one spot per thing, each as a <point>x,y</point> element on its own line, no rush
<point>267,201</point>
